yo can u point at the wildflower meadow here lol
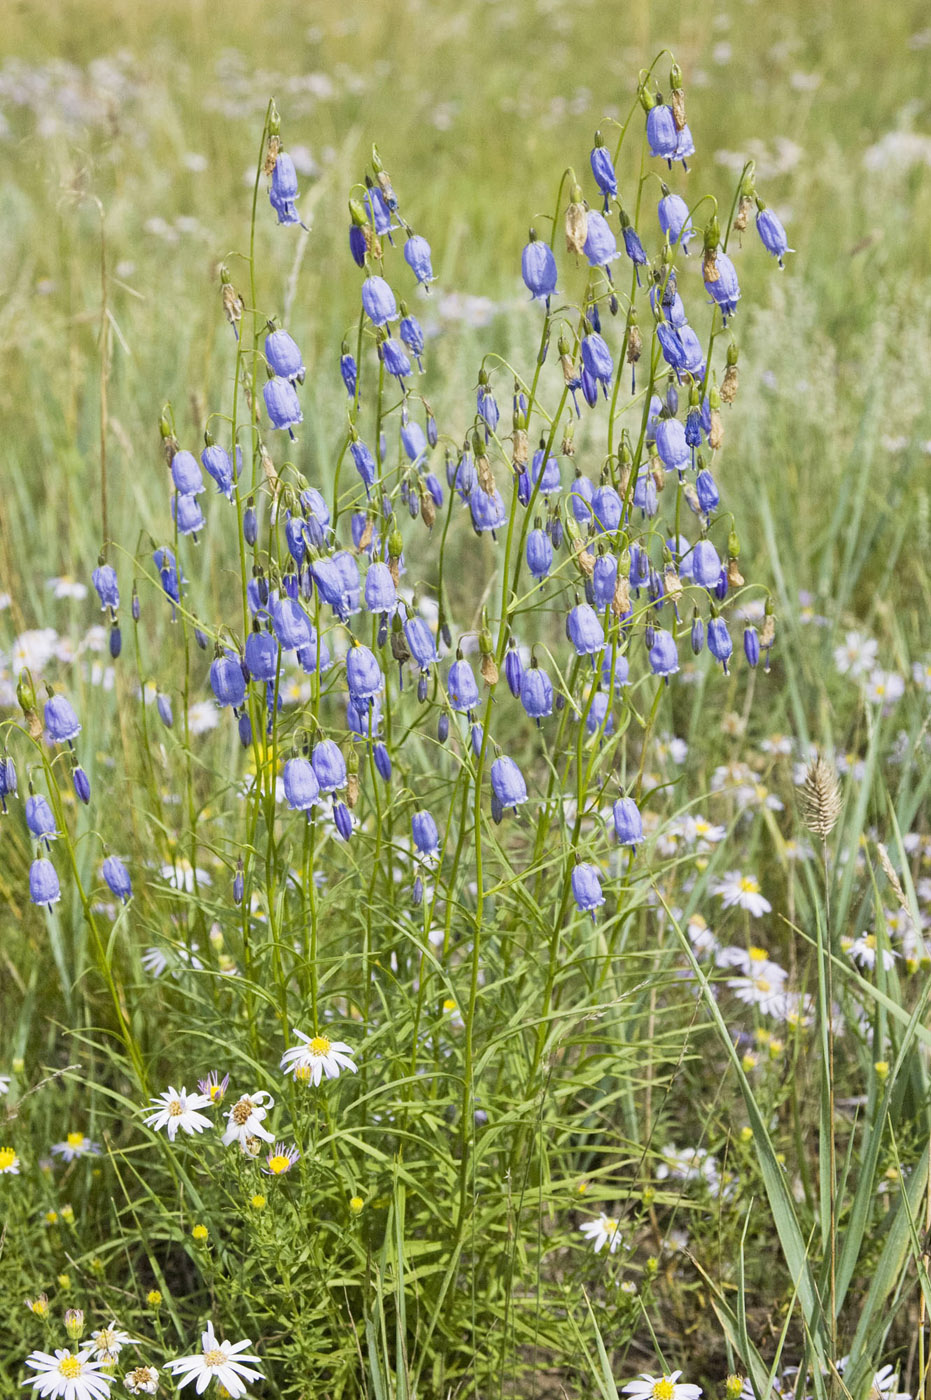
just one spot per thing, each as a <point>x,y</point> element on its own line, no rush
<point>464,702</point>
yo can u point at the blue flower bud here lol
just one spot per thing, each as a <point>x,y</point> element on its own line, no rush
<point>721,591</point>
<point>417,257</point>
<point>7,779</point>
<point>250,526</point>
<point>589,388</point>
<point>134,606</point>
<point>628,824</point>
<point>536,693</point>
<point>664,658</point>
<point>600,246</point>
<point>363,675</point>
<point>633,247</point>
<point>294,531</point>
<point>226,680</point>
<point>603,171</point>
<point>414,443</point>
<point>396,362</point>
<point>411,332</point>
<point>283,356</point>
<point>725,290</point>
<point>43,883</point>
<point>82,785</point>
<point>357,244</point>
<point>604,581</point>
<point>239,885</point>
<point>378,301</point>
<point>105,582</point>
<point>507,783</point>
<point>513,670</point>
<point>487,407</point>
<point>350,373</point>
<point>282,404</point>
<point>185,473</point>
<point>645,496</point>
<point>556,532</point>
<point>442,727</point>
<point>284,190</point>
<point>61,723</point>
<point>674,220</point>
<point>698,635</point>
<point>301,788</point>
<point>751,645</point>
<point>706,566</point>
<point>382,761</point>
<point>538,269</point>
<point>773,234</point>
<point>417,892</point>
<point>586,888</point>
<point>39,818</point>
<point>719,641</point>
<point>343,820</point>
<point>583,628</point>
<point>117,878</point>
<point>116,641</point>
<point>426,836</point>
<point>329,765</point>
<point>672,306</point>
<point>461,687</point>
<point>478,738</point>
<point>539,553</point>
<point>163,705</point>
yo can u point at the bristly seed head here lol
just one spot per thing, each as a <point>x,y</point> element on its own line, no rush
<point>821,797</point>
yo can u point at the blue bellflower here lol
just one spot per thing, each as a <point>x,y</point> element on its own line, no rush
<point>538,268</point>
<point>284,191</point>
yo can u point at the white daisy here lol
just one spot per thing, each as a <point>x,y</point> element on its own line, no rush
<point>202,716</point>
<point>864,952</point>
<point>220,1361</point>
<point>699,828</point>
<point>689,1164</point>
<point>107,1342</point>
<point>742,891</point>
<point>174,1110</point>
<point>142,1380</point>
<point>75,1145</point>
<point>700,935</point>
<point>245,1120</point>
<point>72,1375</point>
<point>661,1388</point>
<point>884,687</point>
<point>154,961</point>
<point>318,1056</point>
<point>65,587</point>
<point>921,674</point>
<point>767,995</point>
<point>603,1231</point>
<point>857,654</point>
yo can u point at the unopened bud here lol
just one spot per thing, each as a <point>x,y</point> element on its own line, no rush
<point>733,545</point>
<point>74,1323</point>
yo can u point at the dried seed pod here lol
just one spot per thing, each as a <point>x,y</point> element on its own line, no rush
<point>368,534</point>
<point>677,103</point>
<point>634,344</point>
<point>576,226</point>
<point>268,467</point>
<point>521,447</point>
<point>735,578</point>
<point>744,210</point>
<point>730,384</point>
<point>232,303</point>
<point>716,432</point>
<point>427,507</point>
<point>672,583</point>
<point>352,789</point>
<point>271,155</point>
<point>488,669</point>
<point>620,604</point>
<point>659,477</point>
<point>584,559</point>
<point>485,478</point>
<point>709,265</point>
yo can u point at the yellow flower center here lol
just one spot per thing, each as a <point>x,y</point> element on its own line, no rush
<point>664,1390</point>
<point>75,1139</point>
<point>279,1163</point>
<point>215,1093</point>
<point>320,1045</point>
<point>7,1159</point>
<point>174,1109</point>
<point>449,1004</point>
<point>869,941</point>
<point>70,1367</point>
<point>609,1226</point>
<point>761,984</point>
<point>748,885</point>
<point>757,954</point>
<point>214,1357</point>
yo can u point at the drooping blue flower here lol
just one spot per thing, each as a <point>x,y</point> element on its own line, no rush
<point>513,669</point>
<point>420,642</point>
<point>628,823</point>
<point>432,483</point>
<point>349,371</point>
<point>691,352</point>
<point>461,687</point>
<point>82,785</point>
<point>396,362</point>
<point>218,465</point>
<point>291,623</point>
<point>645,496</point>
<point>185,473</point>
<point>342,820</point>
<point>417,257</point>
<point>227,681</point>
<point>329,765</point>
<point>586,888</point>
<point>61,723</point>
<point>773,234</point>
<point>477,737</point>
<point>363,675</point>
<point>633,247</point>
<point>719,641</point>
<point>381,596</point>
<point>671,444</point>
<point>580,498</point>
<point>365,463</point>
<point>707,490</point>
<point>378,210</point>
<point>244,725</point>
<point>348,571</point>
<point>314,656</point>
<point>117,878</point>
<point>378,301</point>
<point>411,332</point>
<point>364,720</point>
<point>357,244</point>
<point>284,191</point>
<point>583,628</point>
<point>725,290</point>
<point>536,693</point>
<point>163,705</point>
<point>282,404</point>
<point>665,138</point>
<point>301,787</point>
<point>105,582</point>
<point>539,553</point>
<point>295,528</point>
<point>43,883</point>
<point>706,566</point>
<point>751,645</point>
<point>414,442</point>
<point>552,477</point>
<point>115,640</point>
<point>607,509</point>
<point>672,305</point>
<point>538,268</point>
<point>603,171</point>
<point>507,783</point>
<point>262,656</point>
<point>487,408</point>
<point>7,779</point>
<point>40,819</point>
<point>187,514</point>
<point>674,220</point>
<point>604,581</point>
<point>382,760</point>
<point>600,246</point>
<point>664,658</point>
<point>284,357</point>
<point>596,357</point>
<point>425,833</point>
<point>621,672</point>
<point>488,512</point>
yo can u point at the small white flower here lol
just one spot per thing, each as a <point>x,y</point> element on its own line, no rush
<point>202,716</point>
<point>245,1120</point>
<point>107,1342</point>
<point>316,1057</point>
<point>65,587</point>
<point>142,1380</point>
<point>603,1231</point>
<point>689,1164</point>
<point>71,1375</point>
<point>759,991</point>
<point>662,1388</point>
<point>864,952</point>
<point>4,1084</point>
<point>75,1145</point>
<point>742,891</point>
<point>154,961</point>
<point>856,656</point>
<point>884,687</point>
<point>921,674</point>
<point>219,1361</point>
<point>699,828</point>
<point>174,1110</point>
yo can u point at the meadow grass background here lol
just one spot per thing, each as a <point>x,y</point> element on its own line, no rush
<point>153,115</point>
